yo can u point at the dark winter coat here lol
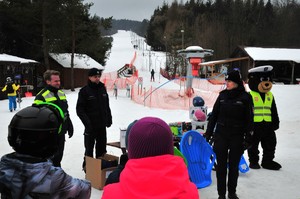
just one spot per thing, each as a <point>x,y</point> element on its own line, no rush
<point>53,97</point>
<point>232,113</point>
<point>23,174</point>
<point>93,107</point>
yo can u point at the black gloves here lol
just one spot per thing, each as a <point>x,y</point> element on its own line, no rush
<point>248,140</point>
<point>209,136</point>
<point>70,133</point>
<point>70,128</point>
<point>88,131</point>
<point>275,127</point>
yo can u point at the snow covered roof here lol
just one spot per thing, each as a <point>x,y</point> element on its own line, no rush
<point>10,58</point>
<point>194,48</point>
<point>273,54</point>
<point>82,61</point>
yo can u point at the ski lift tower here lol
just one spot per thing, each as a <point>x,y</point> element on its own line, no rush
<point>194,55</point>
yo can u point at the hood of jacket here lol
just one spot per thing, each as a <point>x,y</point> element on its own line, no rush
<point>164,177</point>
<point>18,175</point>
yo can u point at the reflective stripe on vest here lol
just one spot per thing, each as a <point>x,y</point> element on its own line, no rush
<point>262,110</point>
<point>49,96</point>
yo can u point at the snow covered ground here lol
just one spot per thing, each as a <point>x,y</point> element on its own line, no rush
<point>255,184</point>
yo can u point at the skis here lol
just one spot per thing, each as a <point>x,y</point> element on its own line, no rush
<point>19,100</point>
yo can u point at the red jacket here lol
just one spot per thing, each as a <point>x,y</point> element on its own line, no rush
<point>164,177</point>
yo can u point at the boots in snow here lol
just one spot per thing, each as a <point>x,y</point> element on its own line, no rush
<point>272,165</point>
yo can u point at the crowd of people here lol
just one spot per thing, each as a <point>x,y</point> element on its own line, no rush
<point>149,169</point>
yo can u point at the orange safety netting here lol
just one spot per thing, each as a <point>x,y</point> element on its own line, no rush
<point>175,99</point>
<point>109,79</point>
<point>162,97</point>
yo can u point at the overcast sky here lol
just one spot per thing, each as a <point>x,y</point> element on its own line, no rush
<point>127,9</point>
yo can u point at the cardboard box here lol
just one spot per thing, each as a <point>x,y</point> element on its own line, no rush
<point>95,174</point>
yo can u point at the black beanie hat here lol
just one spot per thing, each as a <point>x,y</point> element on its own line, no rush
<point>234,76</point>
<point>150,136</point>
<point>94,71</point>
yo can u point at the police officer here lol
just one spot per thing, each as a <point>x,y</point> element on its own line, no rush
<point>231,123</point>
<point>52,93</point>
<point>93,110</point>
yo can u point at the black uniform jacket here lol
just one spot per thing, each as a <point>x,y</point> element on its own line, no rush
<point>232,113</point>
<point>93,107</point>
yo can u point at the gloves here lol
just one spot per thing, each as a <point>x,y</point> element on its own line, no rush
<point>70,133</point>
<point>275,127</point>
<point>209,136</point>
<point>247,144</point>
<point>70,128</point>
<point>88,131</point>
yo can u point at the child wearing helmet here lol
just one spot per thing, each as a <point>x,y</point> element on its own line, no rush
<point>11,89</point>
<point>28,172</point>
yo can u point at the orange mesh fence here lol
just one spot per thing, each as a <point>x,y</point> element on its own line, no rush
<point>110,78</point>
<point>162,97</point>
<point>176,99</point>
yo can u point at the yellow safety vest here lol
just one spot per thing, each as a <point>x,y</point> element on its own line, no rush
<point>49,96</point>
<point>262,110</point>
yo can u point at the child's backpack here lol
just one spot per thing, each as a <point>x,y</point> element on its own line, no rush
<point>9,88</point>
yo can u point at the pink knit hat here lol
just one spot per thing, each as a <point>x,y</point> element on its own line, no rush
<point>150,136</point>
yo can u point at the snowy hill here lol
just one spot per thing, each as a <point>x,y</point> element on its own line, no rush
<point>256,184</point>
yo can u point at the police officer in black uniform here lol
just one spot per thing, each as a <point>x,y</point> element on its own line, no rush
<point>93,110</point>
<point>230,124</point>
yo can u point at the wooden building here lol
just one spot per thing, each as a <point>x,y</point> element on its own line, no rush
<point>285,61</point>
<point>22,71</point>
<point>62,63</point>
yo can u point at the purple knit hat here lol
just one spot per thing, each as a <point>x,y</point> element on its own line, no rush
<point>150,136</point>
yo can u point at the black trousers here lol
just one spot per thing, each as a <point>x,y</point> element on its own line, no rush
<point>229,150</point>
<point>60,152</point>
<point>267,138</point>
<point>96,140</point>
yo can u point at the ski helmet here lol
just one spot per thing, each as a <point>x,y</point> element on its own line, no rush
<point>35,129</point>
<point>8,79</point>
<point>198,101</point>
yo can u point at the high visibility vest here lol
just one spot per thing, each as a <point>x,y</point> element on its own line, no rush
<point>262,110</point>
<point>49,96</point>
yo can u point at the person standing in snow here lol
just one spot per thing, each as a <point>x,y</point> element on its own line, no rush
<point>11,89</point>
<point>93,110</point>
<point>28,172</point>
<point>115,90</point>
<point>230,124</point>
<point>52,93</point>
<point>152,171</point>
<point>152,75</point>
<point>127,90</point>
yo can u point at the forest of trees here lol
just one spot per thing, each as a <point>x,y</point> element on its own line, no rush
<point>138,27</point>
<point>33,28</point>
<point>222,25</point>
